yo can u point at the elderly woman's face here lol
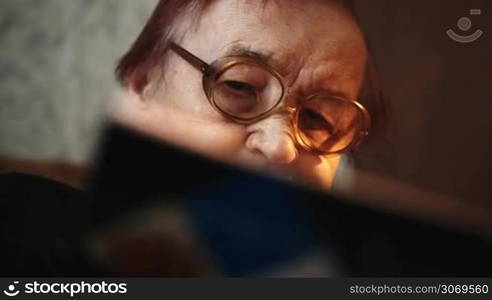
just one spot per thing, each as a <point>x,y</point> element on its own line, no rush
<point>315,45</point>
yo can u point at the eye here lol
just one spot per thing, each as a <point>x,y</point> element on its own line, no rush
<point>235,97</point>
<point>240,88</point>
<point>312,120</point>
<point>246,90</point>
<point>314,128</point>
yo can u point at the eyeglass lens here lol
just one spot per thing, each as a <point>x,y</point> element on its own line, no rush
<point>245,91</point>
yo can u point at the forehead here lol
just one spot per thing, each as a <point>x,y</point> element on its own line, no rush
<point>319,36</point>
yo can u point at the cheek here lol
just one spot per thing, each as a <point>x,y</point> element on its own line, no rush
<point>182,90</point>
<point>198,132</point>
<point>222,140</point>
<point>318,171</point>
<point>179,112</point>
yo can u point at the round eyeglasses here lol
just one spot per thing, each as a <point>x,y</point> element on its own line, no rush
<point>245,90</point>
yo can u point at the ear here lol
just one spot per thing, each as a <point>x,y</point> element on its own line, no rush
<point>138,79</point>
<point>127,102</point>
<point>130,108</point>
<point>137,98</point>
<point>153,84</point>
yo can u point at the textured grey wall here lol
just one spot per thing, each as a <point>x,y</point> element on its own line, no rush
<point>56,62</point>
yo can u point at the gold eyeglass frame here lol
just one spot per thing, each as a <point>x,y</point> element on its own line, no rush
<point>211,72</point>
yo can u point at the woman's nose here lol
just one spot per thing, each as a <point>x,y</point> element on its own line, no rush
<point>273,137</point>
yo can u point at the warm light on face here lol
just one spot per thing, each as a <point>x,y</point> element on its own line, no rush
<point>250,95</point>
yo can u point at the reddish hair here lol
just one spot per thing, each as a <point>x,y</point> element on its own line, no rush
<point>150,47</point>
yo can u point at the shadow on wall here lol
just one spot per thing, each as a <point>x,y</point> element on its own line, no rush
<point>439,92</point>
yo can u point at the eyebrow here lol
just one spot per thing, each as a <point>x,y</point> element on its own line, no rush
<point>267,58</point>
<point>239,50</point>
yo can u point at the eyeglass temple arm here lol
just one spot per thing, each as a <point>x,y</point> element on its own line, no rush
<point>190,58</point>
